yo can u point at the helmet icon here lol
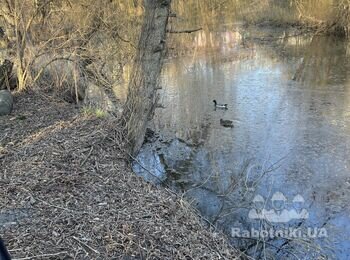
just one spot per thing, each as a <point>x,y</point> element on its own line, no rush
<point>278,201</point>
<point>298,199</point>
<point>259,202</point>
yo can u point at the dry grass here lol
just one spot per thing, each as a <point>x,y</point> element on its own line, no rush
<point>64,43</point>
<point>67,192</point>
<point>325,16</point>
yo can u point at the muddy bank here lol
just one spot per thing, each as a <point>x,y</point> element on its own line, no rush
<point>67,192</point>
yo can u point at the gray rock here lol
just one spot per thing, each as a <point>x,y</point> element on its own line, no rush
<point>6,102</point>
<point>176,154</point>
<point>98,97</point>
<point>149,165</point>
<point>9,217</point>
<point>206,201</point>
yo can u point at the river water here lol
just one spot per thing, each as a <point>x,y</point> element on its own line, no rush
<point>284,166</point>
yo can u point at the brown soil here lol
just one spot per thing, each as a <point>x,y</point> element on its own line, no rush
<point>67,192</point>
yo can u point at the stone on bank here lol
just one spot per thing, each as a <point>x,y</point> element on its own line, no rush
<point>6,102</point>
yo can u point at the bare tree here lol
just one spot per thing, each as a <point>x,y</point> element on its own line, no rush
<point>143,85</point>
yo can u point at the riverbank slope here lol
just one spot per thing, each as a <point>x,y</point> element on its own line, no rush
<point>67,192</point>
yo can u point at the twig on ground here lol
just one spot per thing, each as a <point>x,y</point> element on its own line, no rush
<point>86,245</point>
<point>41,256</point>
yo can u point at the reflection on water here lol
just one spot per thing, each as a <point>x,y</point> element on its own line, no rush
<point>293,136</point>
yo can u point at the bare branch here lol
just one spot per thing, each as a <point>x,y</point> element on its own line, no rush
<point>185,31</point>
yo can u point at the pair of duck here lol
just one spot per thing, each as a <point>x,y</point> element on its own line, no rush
<point>225,123</point>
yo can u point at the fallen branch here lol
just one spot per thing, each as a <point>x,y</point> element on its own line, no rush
<point>86,245</point>
<point>185,31</point>
<point>87,157</point>
<point>41,256</point>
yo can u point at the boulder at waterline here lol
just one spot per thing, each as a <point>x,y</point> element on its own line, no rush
<point>6,102</point>
<point>149,165</point>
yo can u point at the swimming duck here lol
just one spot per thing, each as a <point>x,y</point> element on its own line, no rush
<point>226,123</point>
<point>223,106</point>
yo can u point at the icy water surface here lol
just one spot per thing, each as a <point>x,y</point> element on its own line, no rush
<point>287,159</point>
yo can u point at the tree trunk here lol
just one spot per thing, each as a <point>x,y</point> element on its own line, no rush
<point>142,96</point>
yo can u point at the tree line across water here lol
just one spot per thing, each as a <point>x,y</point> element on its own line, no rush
<point>65,45</point>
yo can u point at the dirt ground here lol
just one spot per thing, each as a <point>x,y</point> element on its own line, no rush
<point>67,192</point>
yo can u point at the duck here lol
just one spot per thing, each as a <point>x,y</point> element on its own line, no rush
<point>223,106</point>
<point>226,123</point>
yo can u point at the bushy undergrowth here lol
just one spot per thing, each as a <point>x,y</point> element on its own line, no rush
<point>58,43</point>
<point>330,16</point>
